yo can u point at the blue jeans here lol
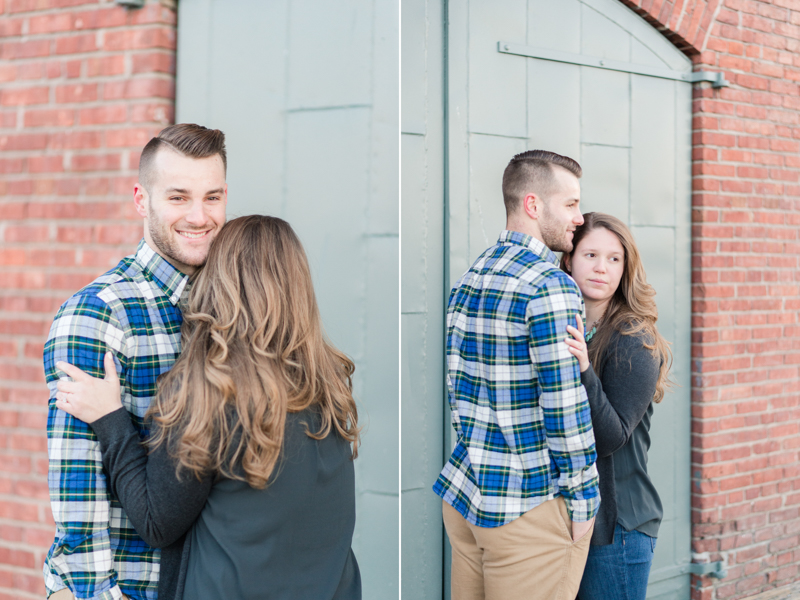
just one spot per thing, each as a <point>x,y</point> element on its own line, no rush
<point>620,570</point>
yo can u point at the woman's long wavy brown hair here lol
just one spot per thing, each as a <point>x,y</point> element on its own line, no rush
<point>632,310</point>
<point>253,349</point>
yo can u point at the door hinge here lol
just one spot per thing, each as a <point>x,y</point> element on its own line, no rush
<point>715,569</point>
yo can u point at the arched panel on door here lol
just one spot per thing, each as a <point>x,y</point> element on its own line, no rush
<point>630,132</point>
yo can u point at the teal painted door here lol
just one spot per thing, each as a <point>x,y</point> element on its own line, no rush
<point>423,296</point>
<point>307,94</point>
<point>631,134</point>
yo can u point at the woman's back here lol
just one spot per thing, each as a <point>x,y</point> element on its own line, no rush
<point>290,540</point>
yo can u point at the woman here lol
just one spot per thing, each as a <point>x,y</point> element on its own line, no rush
<point>624,369</point>
<point>250,451</point>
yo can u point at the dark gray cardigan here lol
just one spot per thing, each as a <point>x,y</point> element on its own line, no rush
<point>621,404</point>
<point>290,540</point>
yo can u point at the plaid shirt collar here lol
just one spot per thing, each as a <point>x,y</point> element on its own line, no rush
<point>509,238</point>
<point>169,280</point>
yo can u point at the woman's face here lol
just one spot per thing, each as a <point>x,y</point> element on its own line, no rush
<point>597,265</point>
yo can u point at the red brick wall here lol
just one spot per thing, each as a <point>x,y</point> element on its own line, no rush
<point>746,287</point>
<point>83,85</point>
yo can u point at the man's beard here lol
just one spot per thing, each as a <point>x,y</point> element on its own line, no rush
<point>160,235</point>
<point>551,236</point>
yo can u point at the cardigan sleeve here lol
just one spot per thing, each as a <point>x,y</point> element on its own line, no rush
<point>619,401</point>
<point>161,506</point>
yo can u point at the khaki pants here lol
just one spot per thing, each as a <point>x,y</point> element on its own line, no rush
<point>66,594</point>
<point>530,558</point>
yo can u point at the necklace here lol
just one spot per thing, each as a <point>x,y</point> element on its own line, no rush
<point>590,334</point>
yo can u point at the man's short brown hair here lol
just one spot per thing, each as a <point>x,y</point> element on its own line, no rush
<point>187,139</point>
<point>533,172</point>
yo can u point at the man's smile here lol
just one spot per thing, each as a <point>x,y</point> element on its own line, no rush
<point>193,235</point>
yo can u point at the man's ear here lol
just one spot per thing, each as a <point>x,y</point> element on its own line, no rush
<point>532,205</point>
<point>140,199</point>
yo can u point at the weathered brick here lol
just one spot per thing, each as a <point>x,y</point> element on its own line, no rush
<point>139,88</point>
<point>74,44</point>
<point>103,115</point>
<point>153,62</point>
<point>140,39</point>
<point>105,66</point>
<point>152,113</point>
<point>24,49</point>
<point>25,96</point>
<point>49,117</point>
<point>76,93</point>
<point>51,23</point>
<point>96,162</point>
<point>46,164</point>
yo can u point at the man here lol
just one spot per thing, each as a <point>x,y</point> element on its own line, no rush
<point>520,489</point>
<point>133,311</point>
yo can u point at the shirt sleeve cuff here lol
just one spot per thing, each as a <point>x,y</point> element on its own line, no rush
<point>113,594</point>
<point>581,511</point>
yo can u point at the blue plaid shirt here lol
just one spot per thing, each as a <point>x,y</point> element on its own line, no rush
<point>133,311</point>
<point>517,404</point>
